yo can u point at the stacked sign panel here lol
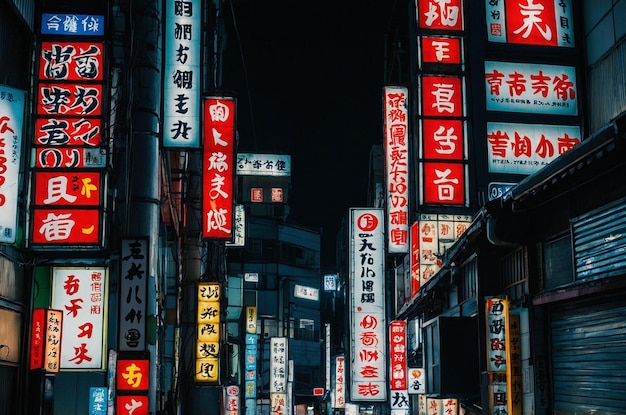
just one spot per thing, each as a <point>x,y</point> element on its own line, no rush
<point>208,332</point>
<point>368,347</point>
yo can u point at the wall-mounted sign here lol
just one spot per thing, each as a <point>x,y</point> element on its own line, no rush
<point>532,88</point>
<point>308,293</point>
<point>444,183</point>
<point>448,50</point>
<point>527,148</point>
<point>440,15</point>
<point>536,22</point>
<point>208,332</point>
<point>133,294</point>
<point>72,24</point>
<point>253,164</point>
<point>442,96</point>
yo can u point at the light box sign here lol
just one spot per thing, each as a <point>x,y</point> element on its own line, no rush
<point>340,382</point>
<point>54,336</point>
<point>444,183</point>
<point>416,381</point>
<point>440,15</point>
<point>531,88</point>
<point>11,130</point>
<point>396,145</point>
<point>133,374</point>
<point>308,293</point>
<point>37,337</point>
<point>71,61</point>
<point>80,293</point>
<point>438,50</point>
<point>66,226</point>
<point>218,167</point>
<point>279,355</point>
<point>68,188</point>
<point>442,96</point>
<point>398,365</point>
<point>182,75</point>
<point>133,294</point>
<point>98,400</point>
<point>527,148</point>
<point>132,405</point>
<point>239,228</point>
<point>72,24</point>
<point>536,22</point>
<point>208,332</point>
<point>443,139</point>
<point>368,324</point>
<point>253,164</point>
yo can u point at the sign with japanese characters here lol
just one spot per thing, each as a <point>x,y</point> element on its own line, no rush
<point>443,138</point>
<point>399,396</point>
<point>182,75</point>
<point>230,399</point>
<point>530,22</point>
<point>72,24</point>
<point>68,188</point>
<point>416,380</point>
<point>368,324</point>
<point>80,293</point>
<point>253,164</point>
<point>71,61</point>
<point>279,354</point>
<point>132,405</point>
<point>444,183</point>
<point>497,314</point>
<point>218,167</point>
<point>527,148</point>
<point>442,96</point>
<point>66,226</point>
<point>531,88</point>
<point>133,374</point>
<point>37,337</point>
<point>415,259</point>
<point>52,350</point>
<point>239,228</point>
<point>340,382</point>
<point>208,334</point>
<point>439,49</point>
<point>396,145</point>
<point>133,289</point>
<point>98,400</point>
<point>11,129</point>
<point>440,15</point>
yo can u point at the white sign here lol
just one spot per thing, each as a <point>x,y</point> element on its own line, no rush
<point>308,293</point>
<point>239,228</point>
<point>396,133</point>
<point>80,293</point>
<point>532,88</point>
<point>279,347</point>
<point>182,75</point>
<point>527,148</point>
<point>263,165</point>
<point>368,324</point>
<point>11,124</point>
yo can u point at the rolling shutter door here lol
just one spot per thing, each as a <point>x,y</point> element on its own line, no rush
<point>589,358</point>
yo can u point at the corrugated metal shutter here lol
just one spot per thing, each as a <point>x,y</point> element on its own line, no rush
<point>589,358</point>
<point>600,242</point>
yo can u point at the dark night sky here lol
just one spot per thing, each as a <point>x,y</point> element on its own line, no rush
<point>314,80</point>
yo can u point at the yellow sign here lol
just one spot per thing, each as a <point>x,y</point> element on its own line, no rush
<point>208,332</point>
<point>251,320</point>
<point>207,370</point>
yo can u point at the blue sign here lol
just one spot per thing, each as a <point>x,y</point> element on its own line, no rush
<point>98,401</point>
<point>72,24</point>
<point>498,189</point>
<point>251,339</point>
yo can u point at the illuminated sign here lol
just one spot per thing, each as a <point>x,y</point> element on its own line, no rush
<point>11,125</point>
<point>182,75</point>
<point>438,50</point>
<point>444,183</point>
<point>398,366</point>
<point>367,305</point>
<point>444,139</point>
<point>66,226</point>
<point>440,15</point>
<point>396,145</point>
<point>131,405</point>
<point>249,164</point>
<point>536,22</point>
<point>133,374</point>
<point>218,168</point>
<point>208,332</point>
<point>81,295</point>
<point>340,382</point>
<point>527,148</point>
<point>442,96</point>
<point>72,24</point>
<point>532,88</point>
<point>239,228</point>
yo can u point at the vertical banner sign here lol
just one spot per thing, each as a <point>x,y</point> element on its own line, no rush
<point>250,360</point>
<point>537,22</point>
<point>399,398</point>
<point>80,293</point>
<point>367,305</point>
<point>231,400</point>
<point>396,127</point>
<point>514,368</point>
<point>52,351</point>
<point>182,75</point>
<point>98,400</point>
<point>415,258</point>
<point>11,125</point>
<point>69,154</point>
<point>133,295</point>
<point>37,337</point>
<point>417,381</point>
<point>208,336</point>
<point>279,354</point>
<point>340,382</point>
<point>218,168</point>
<point>497,315</point>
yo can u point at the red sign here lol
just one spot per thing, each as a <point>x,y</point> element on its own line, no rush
<point>397,356</point>
<point>75,188</point>
<point>131,405</point>
<point>133,374</point>
<point>444,183</point>
<point>440,15</point>
<point>443,139</point>
<point>256,194</point>
<point>318,391</point>
<point>77,100</point>
<point>218,167</point>
<point>62,132</point>
<point>441,50</point>
<point>37,338</point>
<point>67,158</point>
<point>66,226</point>
<point>415,259</point>
<point>277,194</point>
<point>71,61</point>
<point>442,96</point>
